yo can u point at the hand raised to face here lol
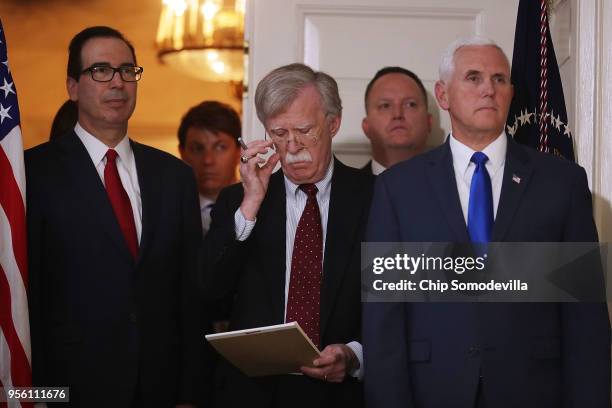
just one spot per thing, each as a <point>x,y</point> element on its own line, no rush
<point>255,173</point>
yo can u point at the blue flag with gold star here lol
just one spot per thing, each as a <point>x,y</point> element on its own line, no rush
<point>537,116</point>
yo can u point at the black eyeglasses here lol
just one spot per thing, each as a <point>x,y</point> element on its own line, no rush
<point>106,73</point>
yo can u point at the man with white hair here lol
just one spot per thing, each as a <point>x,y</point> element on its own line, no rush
<point>480,186</point>
<point>286,246</point>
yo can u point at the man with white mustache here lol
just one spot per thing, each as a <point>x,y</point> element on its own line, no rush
<point>287,245</point>
<point>113,234</point>
<point>301,156</point>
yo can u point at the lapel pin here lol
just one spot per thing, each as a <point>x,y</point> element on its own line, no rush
<point>516,179</point>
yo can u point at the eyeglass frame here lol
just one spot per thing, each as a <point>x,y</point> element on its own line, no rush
<point>115,70</point>
<point>297,138</point>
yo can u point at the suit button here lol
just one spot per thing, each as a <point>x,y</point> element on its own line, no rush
<point>133,317</point>
<point>474,351</point>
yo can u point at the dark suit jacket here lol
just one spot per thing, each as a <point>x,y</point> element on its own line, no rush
<point>367,168</point>
<point>110,328</point>
<point>430,355</point>
<point>254,271</point>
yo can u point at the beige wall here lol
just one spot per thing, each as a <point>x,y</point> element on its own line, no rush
<point>38,33</point>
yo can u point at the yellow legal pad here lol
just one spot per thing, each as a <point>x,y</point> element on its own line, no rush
<point>270,350</point>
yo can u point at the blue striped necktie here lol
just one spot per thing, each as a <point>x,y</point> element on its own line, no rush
<point>480,208</point>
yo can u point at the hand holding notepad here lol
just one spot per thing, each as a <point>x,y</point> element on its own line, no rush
<point>270,350</point>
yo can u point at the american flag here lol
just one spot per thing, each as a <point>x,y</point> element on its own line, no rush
<point>537,116</point>
<point>15,368</point>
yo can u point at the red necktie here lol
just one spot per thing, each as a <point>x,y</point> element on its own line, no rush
<point>120,202</point>
<point>304,299</point>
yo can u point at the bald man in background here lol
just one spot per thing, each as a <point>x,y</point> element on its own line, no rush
<point>397,120</point>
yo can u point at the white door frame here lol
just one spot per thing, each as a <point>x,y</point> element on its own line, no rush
<point>592,41</point>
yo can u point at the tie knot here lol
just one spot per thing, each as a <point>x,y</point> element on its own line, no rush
<point>309,189</point>
<point>111,155</point>
<point>479,158</point>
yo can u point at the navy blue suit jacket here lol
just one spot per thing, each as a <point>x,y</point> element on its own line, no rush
<point>430,355</point>
<point>111,328</point>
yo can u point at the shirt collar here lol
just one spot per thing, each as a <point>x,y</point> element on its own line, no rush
<point>323,185</point>
<point>205,201</point>
<point>495,151</point>
<point>97,150</point>
<point>377,168</point>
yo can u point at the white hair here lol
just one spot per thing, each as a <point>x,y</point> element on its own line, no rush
<point>447,62</point>
<point>279,88</point>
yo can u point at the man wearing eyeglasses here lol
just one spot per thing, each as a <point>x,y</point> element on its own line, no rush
<point>286,246</point>
<point>113,229</point>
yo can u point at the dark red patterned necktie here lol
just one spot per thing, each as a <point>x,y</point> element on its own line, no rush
<point>120,202</point>
<point>304,299</point>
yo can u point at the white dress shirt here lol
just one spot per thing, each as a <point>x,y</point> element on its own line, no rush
<point>464,169</point>
<point>206,205</point>
<point>126,166</point>
<point>377,168</point>
<point>295,204</point>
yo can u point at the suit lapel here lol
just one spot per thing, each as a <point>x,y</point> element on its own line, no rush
<point>151,196</point>
<point>517,173</point>
<point>344,217</point>
<point>86,179</point>
<point>441,176</point>
<point>271,226</point>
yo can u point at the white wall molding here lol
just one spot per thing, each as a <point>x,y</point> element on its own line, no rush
<point>585,33</point>
<point>592,42</point>
<point>305,12</point>
<point>602,169</point>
